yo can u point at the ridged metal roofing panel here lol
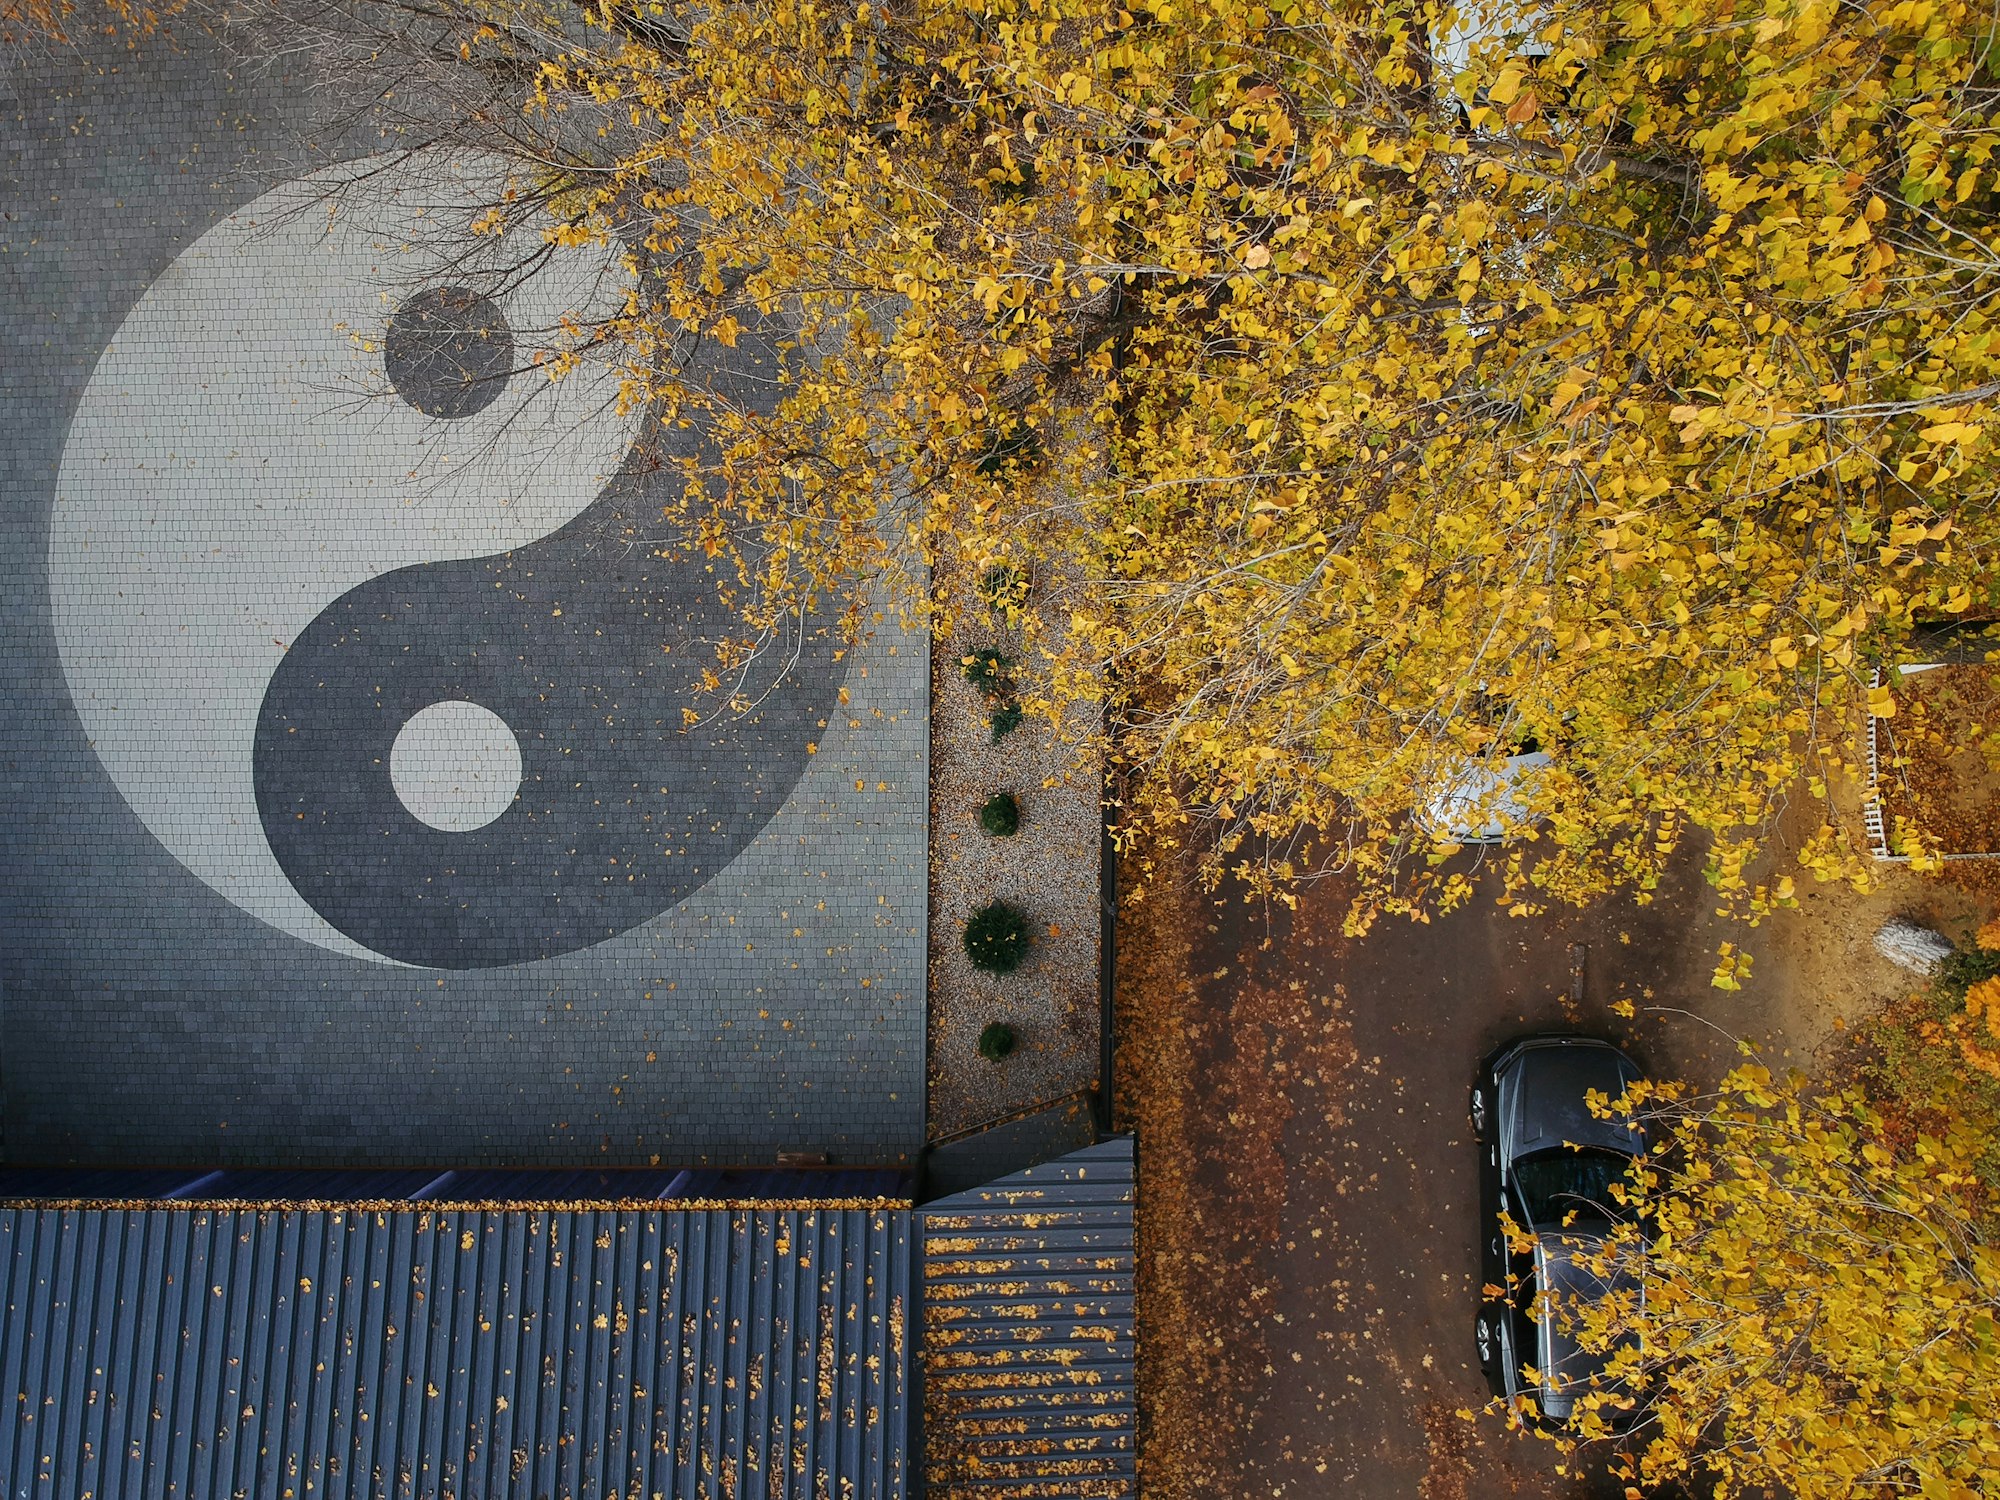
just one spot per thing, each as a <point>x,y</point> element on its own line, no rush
<point>325,1186</point>
<point>195,1354</point>
<point>783,1443</point>
<point>1028,1333</point>
<point>801,1183</point>
<point>93,1182</point>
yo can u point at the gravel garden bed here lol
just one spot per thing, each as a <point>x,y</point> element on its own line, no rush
<point>1047,870</point>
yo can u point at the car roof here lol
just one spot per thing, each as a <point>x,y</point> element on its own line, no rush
<point>1481,799</point>
<point>1518,22</point>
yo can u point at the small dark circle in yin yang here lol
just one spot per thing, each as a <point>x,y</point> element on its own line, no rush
<point>448,352</point>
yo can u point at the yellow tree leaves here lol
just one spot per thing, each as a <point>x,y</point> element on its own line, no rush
<point>1978,1032</point>
<point>1813,1311</point>
<point>25,24</point>
<point>1430,382</point>
<point>1620,481</point>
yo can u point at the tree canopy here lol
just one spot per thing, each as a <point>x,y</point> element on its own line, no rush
<point>1379,388</point>
<point>1800,1305</point>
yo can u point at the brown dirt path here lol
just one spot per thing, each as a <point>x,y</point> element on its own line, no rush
<point>1307,1205</point>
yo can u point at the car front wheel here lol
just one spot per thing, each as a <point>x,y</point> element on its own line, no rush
<point>1478,1111</point>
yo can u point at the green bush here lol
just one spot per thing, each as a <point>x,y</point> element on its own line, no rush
<point>1001,815</point>
<point>996,939</point>
<point>1015,445</point>
<point>1009,185</point>
<point>1959,973</point>
<point>996,1041</point>
<point>1006,719</point>
<point>988,670</point>
<point>1003,586</point>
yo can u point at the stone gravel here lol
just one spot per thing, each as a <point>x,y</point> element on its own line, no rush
<point>1049,869</point>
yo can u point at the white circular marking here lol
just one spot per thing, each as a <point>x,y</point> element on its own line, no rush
<point>238,461</point>
<point>455,766</point>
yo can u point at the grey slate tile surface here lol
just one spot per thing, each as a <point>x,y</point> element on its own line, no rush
<point>146,1016</point>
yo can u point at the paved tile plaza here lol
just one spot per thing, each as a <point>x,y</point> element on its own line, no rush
<point>352,817</point>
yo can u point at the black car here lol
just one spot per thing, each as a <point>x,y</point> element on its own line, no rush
<point>1549,1165</point>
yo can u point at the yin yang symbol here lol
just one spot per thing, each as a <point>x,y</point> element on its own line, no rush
<point>368,619</point>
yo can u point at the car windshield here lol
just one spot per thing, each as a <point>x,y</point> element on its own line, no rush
<point>1570,1268</point>
<point>1555,1184</point>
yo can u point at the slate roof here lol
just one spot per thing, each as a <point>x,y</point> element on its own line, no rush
<point>1027,1360</point>
<point>753,1353</point>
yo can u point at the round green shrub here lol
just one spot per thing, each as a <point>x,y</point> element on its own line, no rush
<point>1003,586</point>
<point>1006,719</point>
<point>1010,183</point>
<point>987,670</point>
<point>996,1041</point>
<point>996,939</point>
<point>1014,446</point>
<point>1001,815</point>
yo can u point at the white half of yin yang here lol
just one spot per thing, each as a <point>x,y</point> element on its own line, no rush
<point>239,460</point>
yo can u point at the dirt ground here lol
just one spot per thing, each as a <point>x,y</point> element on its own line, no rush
<point>1935,777</point>
<point>1307,1199</point>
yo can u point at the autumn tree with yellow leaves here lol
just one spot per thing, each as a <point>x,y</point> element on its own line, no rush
<point>31,26</point>
<point>1798,1305</point>
<point>1377,389</point>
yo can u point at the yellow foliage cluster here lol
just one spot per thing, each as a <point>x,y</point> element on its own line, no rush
<point>1405,383</point>
<point>1979,1031</point>
<point>27,22</point>
<point>21,20</point>
<point>1813,1311</point>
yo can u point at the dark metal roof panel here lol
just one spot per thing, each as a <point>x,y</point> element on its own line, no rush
<point>1028,1332</point>
<point>95,1182</point>
<point>746,1184</point>
<point>199,1353</point>
<point>569,1187</point>
<point>549,1185</point>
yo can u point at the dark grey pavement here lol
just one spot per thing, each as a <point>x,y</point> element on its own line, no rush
<point>249,914</point>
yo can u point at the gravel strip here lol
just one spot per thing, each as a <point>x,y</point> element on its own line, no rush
<point>1049,869</point>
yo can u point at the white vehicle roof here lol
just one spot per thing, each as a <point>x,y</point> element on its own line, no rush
<point>1481,802</point>
<point>1494,19</point>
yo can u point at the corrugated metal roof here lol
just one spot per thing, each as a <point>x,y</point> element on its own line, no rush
<point>737,1354</point>
<point>739,1184</point>
<point>1027,1332</point>
<point>565,1186</point>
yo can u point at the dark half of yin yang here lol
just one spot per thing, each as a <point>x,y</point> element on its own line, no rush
<point>589,647</point>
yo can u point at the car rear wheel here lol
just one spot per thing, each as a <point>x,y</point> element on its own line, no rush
<point>1484,1341</point>
<point>1477,1110</point>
